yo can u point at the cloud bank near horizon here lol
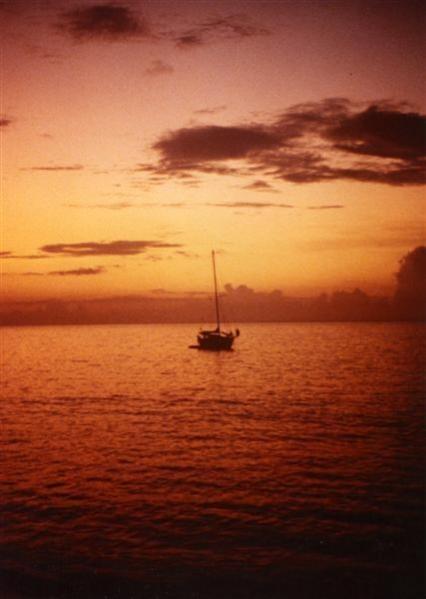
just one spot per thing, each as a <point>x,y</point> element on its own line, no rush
<point>407,303</point>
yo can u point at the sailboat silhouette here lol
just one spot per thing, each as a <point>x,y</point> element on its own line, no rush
<point>216,339</point>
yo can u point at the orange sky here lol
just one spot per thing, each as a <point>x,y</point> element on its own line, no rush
<point>136,137</point>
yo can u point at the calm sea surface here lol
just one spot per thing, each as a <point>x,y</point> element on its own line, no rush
<point>132,466</point>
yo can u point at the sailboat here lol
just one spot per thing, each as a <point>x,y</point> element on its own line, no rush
<point>216,339</point>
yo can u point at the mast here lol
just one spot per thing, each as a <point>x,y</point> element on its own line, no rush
<point>216,298</point>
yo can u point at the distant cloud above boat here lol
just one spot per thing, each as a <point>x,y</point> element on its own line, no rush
<point>308,143</point>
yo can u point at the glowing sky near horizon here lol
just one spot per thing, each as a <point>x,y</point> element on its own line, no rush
<point>137,136</point>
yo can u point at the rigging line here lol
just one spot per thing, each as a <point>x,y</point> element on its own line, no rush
<point>1,155</point>
<point>215,292</point>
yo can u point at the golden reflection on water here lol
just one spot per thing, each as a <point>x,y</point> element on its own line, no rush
<point>127,455</point>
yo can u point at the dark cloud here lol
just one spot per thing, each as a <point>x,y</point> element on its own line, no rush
<point>326,207</point>
<point>411,276</point>
<point>115,21</point>
<point>312,142</point>
<point>108,22</point>
<point>381,132</point>
<point>55,167</point>
<point>232,27</point>
<point>5,122</point>
<point>251,205</point>
<point>103,248</point>
<point>211,143</point>
<point>410,293</point>
<point>158,67</point>
<point>78,272</point>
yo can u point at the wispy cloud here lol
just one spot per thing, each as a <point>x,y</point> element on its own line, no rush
<point>43,52</point>
<point>232,27</point>
<point>388,239</point>
<point>158,68</point>
<point>126,205</point>
<point>78,272</point>
<point>250,205</point>
<point>112,206</point>
<point>104,248</point>
<point>319,141</point>
<point>210,111</point>
<point>326,207</point>
<point>54,167</point>
<point>12,256</point>
<point>185,254</point>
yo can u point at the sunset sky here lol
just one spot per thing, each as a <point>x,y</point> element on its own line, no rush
<point>137,136</point>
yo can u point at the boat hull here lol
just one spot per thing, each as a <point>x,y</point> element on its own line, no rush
<point>215,341</point>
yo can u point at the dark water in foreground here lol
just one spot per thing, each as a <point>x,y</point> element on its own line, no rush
<point>135,467</point>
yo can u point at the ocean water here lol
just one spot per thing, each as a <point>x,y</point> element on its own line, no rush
<point>292,467</point>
